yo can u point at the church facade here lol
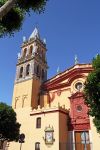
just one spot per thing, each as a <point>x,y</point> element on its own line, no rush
<point>52,113</point>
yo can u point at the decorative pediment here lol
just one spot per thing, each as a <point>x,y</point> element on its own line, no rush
<point>79,118</point>
<point>76,95</point>
<point>65,78</point>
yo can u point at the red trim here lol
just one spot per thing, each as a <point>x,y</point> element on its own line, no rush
<point>62,85</point>
<point>47,112</point>
<point>72,75</point>
<point>79,120</point>
<point>76,95</point>
<point>79,127</point>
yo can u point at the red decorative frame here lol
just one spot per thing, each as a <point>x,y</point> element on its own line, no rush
<point>79,120</point>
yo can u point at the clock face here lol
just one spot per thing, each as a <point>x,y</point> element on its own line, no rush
<point>49,136</point>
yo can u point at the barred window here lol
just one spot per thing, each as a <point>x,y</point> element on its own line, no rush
<point>38,122</point>
<point>31,49</point>
<point>21,72</point>
<point>27,69</point>
<point>24,52</point>
<point>37,146</point>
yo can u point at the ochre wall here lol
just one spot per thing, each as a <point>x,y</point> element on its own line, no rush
<point>95,137</point>
<point>26,94</point>
<point>65,93</point>
<point>33,134</point>
<point>22,92</point>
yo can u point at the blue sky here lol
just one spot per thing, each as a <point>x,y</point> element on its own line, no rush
<point>69,26</point>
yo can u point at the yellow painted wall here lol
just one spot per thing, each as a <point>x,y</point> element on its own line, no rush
<point>27,91</point>
<point>26,94</point>
<point>33,134</point>
<point>22,92</point>
<point>95,137</point>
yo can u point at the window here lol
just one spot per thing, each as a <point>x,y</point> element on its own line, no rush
<point>24,52</point>
<point>38,71</point>
<point>85,137</point>
<point>27,69</point>
<point>78,86</point>
<point>82,141</point>
<point>42,74</point>
<point>79,108</point>
<point>31,49</point>
<point>21,72</point>
<point>38,122</point>
<point>37,146</point>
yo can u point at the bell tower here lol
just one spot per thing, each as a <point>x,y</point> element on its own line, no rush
<point>31,71</point>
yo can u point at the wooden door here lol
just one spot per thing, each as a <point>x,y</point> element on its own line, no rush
<point>82,140</point>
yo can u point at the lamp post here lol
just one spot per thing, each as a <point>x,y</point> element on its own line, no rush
<point>21,139</point>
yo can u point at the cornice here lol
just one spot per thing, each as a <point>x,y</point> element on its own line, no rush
<point>70,75</point>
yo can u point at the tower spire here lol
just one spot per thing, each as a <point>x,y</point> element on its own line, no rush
<point>35,34</point>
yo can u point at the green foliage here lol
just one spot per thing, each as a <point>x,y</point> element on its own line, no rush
<point>13,20</point>
<point>92,92</point>
<point>9,127</point>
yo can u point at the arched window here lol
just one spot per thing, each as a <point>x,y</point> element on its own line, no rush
<point>27,69</point>
<point>38,71</point>
<point>37,146</point>
<point>31,49</point>
<point>21,72</point>
<point>42,74</point>
<point>38,122</point>
<point>24,52</point>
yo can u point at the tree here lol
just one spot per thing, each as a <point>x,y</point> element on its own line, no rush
<point>12,13</point>
<point>92,92</point>
<point>9,127</point>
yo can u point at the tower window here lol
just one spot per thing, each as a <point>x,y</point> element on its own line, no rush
<point>37,146</point>
<point>31,49</point>
<point>21,72</point>
<point>24,52</point>
<point>42,74</point>
<point>27,69</point>
<point>38,71</point>
<point>38,122</point>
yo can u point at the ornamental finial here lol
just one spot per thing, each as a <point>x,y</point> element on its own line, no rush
<point>76,60</point>
<point>58,70</point>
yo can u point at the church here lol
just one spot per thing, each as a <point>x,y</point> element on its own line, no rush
<point>52,112</point>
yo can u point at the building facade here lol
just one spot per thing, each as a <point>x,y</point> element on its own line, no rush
<point>52,113</point>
